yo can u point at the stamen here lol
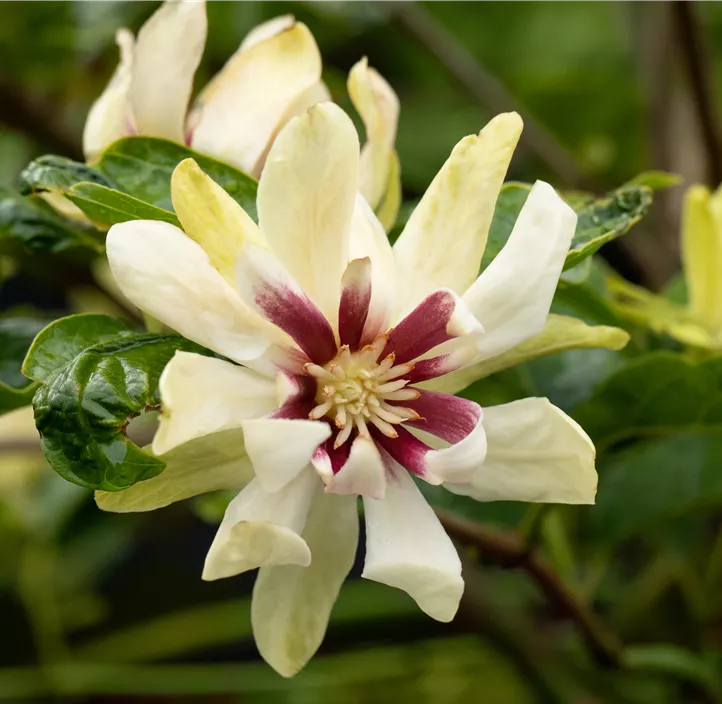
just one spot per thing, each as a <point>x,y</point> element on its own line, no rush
<point>402,395</point>
<point>320,411</point>
<point>317,371</point>
<point>394,372</point>
<point>391,386</point>
<point>385,365</point>
<point>386,428</point>
<point>340,416</point>
<point>343,435</point>
<point>388,416</point>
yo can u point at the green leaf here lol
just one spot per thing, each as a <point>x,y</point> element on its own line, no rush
<point>600,219</point>
<point>83,409</point>
<point>656,180</point>
<point>658,394</point>
<point>16,334</point>
<point>64,339</point>
<point>37,227</point>
<point>105,206</point>
<point>57,173</point>
<point>142,167</point>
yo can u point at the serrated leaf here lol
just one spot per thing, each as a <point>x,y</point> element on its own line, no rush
<point>64,339</point>
<point>659,394</point>
<point>82,410</point>
<point>57,173</point>
<point>600,219</point>
<point>16,335</point>
<point>142,167</point>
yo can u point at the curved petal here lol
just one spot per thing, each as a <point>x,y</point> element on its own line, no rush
<point>444,240</point>
<point>535,453</point>
<point>241,110</point>
<point>407,548</point>
<point>378,106</point>
<point>363,473</point>
<point>280,448</point>
<point>109,117</point>
<point>210,463</point>
<point>211,217</point>
<point>306,197</point>
<point>266,30</point>
<point>202,395</point>
<point>170,277</point>
<point>291,605</point>
<point>512,296</point>
<point>262,529</point>
<point>167,53</point>
<point>353,309</point>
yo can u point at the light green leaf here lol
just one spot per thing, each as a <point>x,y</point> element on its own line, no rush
<point>656,180</point>
<point>83,409</point>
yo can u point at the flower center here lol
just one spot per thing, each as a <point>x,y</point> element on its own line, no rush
<point>355,389</point>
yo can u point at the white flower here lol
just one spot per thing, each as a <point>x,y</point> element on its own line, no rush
<point>331,335</point>
<point>274,75</point>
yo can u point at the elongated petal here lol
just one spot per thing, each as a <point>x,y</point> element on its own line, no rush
<point>109,117</point>
<point>241,110</point>
<point>448,417</point>
<point>363,474</point>
<point>280,448</point>
<point>209,463</point>
<point>355,299</point>
<point>211,217</point>
<point>167,53</point>
<point>202,395</point>
<point>306,197</point>
<point>261,529</point>
<point>407,548</point>
<point>267,287</point>
<point>535,453</point>
<point>444,240</point>
<point>170,277</point>
<point>376,102</point>
<point>512,296</point>
<point>291,605</point>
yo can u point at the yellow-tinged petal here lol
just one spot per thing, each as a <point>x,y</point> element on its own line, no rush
<point>167,53</point>
<point>241,110</point>
<point>109,117</point>
<point>388,209</point>
<point>444,240</point>
<point>211,217</point>
<point>378,106</point>
<point>702,255</point>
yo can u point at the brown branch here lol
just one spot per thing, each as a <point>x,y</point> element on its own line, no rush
<point>486,87</point>
<point>698,65</point>
<point>509,550</point>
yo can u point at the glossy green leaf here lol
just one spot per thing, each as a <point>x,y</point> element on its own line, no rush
<point>600,219</point>
<point>83,409</point>
<point>142,167</point>
<point>659,394</point>
<point>64,339</point>
<point>57,173</point>
<point>16,334</point>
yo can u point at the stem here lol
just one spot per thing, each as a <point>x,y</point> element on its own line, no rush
<point>510,551</point>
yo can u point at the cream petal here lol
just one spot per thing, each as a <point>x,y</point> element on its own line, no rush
<point>211,217</point>
<point>444,239</point>
<point>280,448</point>
<point>208,463</point>
<point>109,117</point>
<point>261,529</point>
<point>512,297</point>
<point>242,109</point>
<point>535,453</point>
<point>170,277</point>
<point>306,197</point>
<point>407,548</point>
<point>363,474</point>
<point>266,30</point>
<point>378,106</point>
<point>291,605</point>
<point>202,395</point>
<point>167,53</point>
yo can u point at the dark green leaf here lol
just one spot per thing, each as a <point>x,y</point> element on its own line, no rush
<point>57,173</point>
<point>83,409</point>
<point>142,167</point>
<point>16,334</point>
<point>63,340</point>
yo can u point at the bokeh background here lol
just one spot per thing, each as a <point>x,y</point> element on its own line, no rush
<point>101,607</point>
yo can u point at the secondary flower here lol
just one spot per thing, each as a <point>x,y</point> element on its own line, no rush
<point>331,338</point>
<point>274,75</point>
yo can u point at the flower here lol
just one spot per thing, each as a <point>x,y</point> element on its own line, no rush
<point>274,75</point>
<point>332,337</point>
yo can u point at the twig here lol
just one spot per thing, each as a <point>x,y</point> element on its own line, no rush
<point>508,550</point>
<point>697,62</point>
<point>485,87</point>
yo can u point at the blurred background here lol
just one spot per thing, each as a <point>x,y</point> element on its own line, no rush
<point>100,607</point>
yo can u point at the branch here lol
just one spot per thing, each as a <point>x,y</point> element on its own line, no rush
<point>509,551</point>
<point>697,62</point>
<point>485,87</point>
